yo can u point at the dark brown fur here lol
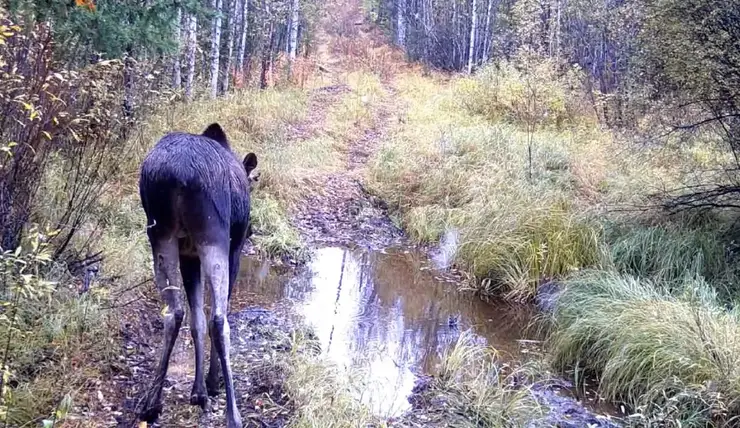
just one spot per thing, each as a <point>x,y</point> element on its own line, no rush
<point>196,195</point>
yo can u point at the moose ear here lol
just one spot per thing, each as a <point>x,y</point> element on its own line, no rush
<point>214,132</point>
<point>250,162</point>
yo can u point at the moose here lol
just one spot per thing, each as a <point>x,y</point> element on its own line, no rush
<point>196,196</point>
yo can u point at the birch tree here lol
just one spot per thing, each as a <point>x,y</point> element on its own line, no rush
<point>294,21</point>
<point>401,23</point>
<point>243,35</point>
<point>216,5</point>
<point>192,34</point>
<point>487,33</point>
<point>176,66</point>
<point>473,27</point>
<point>230,43</point>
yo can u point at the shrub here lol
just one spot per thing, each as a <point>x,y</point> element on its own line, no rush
<point>528,90</point>
<point>63,134</point>
<point>52,336</point>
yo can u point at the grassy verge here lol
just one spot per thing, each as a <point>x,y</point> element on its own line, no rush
<point>521,218</point>
<point>55,341</point>
<point>649,317</point>
<point>668,350</point>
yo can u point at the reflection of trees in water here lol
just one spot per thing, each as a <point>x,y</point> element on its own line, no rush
<point>339,294</point>
<point>397,307</point>
<point>402,291</point>
<point>261,278</point>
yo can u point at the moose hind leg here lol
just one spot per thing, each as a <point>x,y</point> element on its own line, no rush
<point>214,371</point>
<point>216,267</point>
<point>165,254</point>
<point>190,268</point>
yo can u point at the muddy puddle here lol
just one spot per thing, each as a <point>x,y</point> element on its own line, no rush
<point>387,314</point>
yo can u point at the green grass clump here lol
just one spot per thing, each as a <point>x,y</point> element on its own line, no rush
<point>471,389</point>
<point>671,352</point>
<point>276,235</point>
<point>667,253</point>
<point>323,394</point>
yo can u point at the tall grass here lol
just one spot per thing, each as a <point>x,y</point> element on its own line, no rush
<point>447,168</point>
<point>671,352</point>
<point>455,164</point>
<point>669,252</point>
<point>472,389</point>
<point>323,395</point>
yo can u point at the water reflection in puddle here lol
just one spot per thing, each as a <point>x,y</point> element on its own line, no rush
<point>384,314</point>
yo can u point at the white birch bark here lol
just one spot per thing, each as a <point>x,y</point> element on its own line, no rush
<point>294,21</point>
<point>230,44</point>
<point>243,41</point>
<point>176,71</point>
<point>401,23</point>
<point>473,28</point>
<point>192,34</point>
<point>216,5</point>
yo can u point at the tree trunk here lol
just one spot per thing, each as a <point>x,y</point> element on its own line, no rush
<point>192,35</point>
<point>294,21</point>
<point>230,44</point>
<point>473,26</point>
<point>216,5</point>
<point>243,42</point>
<point>128,84</point>
<point>401,23</point>
<point>267,57</point>
<point>176,77</point>
<point>487,36</point>
<point>456,34</point>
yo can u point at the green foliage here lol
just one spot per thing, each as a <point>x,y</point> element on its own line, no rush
<point>45,328</point>
<point>530,90</point>
<point>670,253</point>
<point>63,132</point>
<point>689,47</point>
<point>108,28</point>
<point>671,355</point>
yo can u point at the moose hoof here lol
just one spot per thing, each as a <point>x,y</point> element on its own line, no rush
<point>151,413</point>
<point>199,400</point>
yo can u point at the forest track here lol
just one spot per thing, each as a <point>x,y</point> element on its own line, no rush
<point>338,212</point>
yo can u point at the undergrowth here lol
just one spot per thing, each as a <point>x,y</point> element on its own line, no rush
<point>670,351</point>
<point>471,388</point>
<point>530,202</point>
<point>54,335</point>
